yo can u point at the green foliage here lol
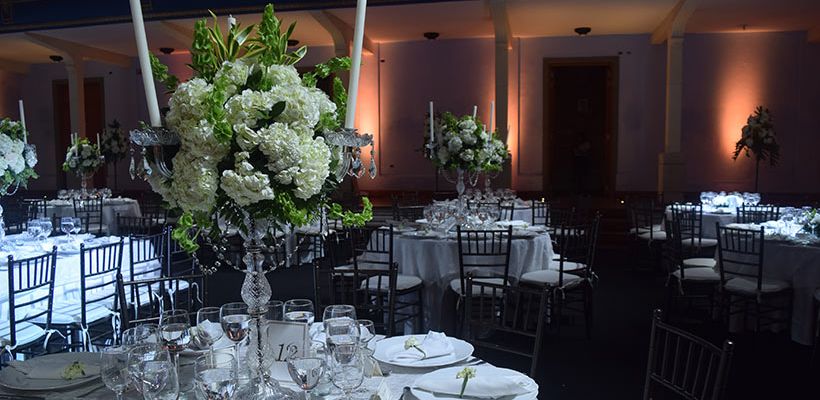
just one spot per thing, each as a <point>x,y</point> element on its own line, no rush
<point>323,70</point>
<point>272,44</point>
<point>216,111</point>
<point>203,59</point>
<point>340,99</point>
<point>160,72</point>
<point>350,218</point>
<point>182,233</point>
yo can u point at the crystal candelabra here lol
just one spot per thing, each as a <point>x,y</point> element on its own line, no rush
<point>458,179</point>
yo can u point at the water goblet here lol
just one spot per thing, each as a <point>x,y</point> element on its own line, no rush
<point>174,332</point>
<point>46,227</point>
<point>348,369</point>
<point>66,226</point>
<point>140,334</point>
<point>367,331</point>
<point>235,321</point>
<point>209,327</point>
<point>160,380</point>
<point>339,311</point>
<point>78,226</point>
<point>114,369</point>
<point>276,311</point>
<point>33,228</point>
<point>215,376</point>
<point>299,310</point>
<point>138,355</point>
<point>306,372</point>
<point>342,333</point>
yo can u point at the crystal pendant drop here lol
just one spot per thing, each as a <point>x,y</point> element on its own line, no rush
<point>132,168</point>
<point>146,167</point>
<point>373,171</point>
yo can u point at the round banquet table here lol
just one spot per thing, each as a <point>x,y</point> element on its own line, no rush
<point>800,266</point>
<point>435,261</point>
<point>708,222</point>
<point>111,207</point>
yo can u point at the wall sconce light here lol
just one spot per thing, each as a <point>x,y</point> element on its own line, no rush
<point>166,50</point>
<point>583,30</point>
<point>431,35</point>
<point>56,58</point>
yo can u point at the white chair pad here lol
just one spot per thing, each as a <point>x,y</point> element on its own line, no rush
<point>749,286</point>
<point>72,314</point>
<point>654,235</point>
<point>698,274</point>
<point>26,333</point>
<point>568,265</point>
<point>550,277</point>
<point>644,229</point>
<point>699,263</point>
<point>704,242</point>
<point>455,284</point>
<point>403,282</point>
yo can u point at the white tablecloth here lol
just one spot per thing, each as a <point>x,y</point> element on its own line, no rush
<point>708,222</point>
<point>67,283</point>
<point>800,266</point>
<point>435,261</point>
<point>111,207</point>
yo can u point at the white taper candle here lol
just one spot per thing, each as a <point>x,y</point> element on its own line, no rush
<point>356,64</point>
<point>145,64</point>
<point>432,125</point>
<point>98,139</point>
<point>23,120</point>
<point>492,115</point>
<point>475,111</point>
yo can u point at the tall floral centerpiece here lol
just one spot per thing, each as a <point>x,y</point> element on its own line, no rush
<point>84,159</point>
<point>17,160</point>
<point>495,153</point>
<point>758,140</point>
<point>258,152</point>
<point>113,146</point>
<point>458,143</point>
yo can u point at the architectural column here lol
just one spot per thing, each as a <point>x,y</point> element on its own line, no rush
<point>76,94</point>
<point>671,163</point>
<point>503,38</point>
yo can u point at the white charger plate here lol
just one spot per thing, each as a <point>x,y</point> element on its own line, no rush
<point>387,348</point>
<point>514,224</point>
<point>480,370</point>
<point>16,380</point>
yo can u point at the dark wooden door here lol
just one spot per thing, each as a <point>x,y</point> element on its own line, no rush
<point>94,123</point>
<point>580,126</point>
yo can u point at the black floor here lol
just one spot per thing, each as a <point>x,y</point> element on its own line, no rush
<point>612,364</point>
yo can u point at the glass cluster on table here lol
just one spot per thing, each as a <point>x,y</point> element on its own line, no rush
<point>716,200</point>
<point>147,357</point>
<point>69,194</point>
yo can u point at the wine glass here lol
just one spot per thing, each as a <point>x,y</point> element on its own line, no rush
<point>33,228</point>
<point>138,356</point>
<point>209,327</point>
<point>174,331</point>
<point>338,311</point>
<point>348,369</point>
<point>306,372</point>
<point>66,226</point>
<point>235,322</point>
<point>160,380</point>
<point>342,333</point>
<point>140,334</point>
<point>114,369</point>
<point>215,376</point>
<point>275,311</point>
<point>367,331</point>
<point>78,226</point>
<point>46,227</point>
<point>299,310</point>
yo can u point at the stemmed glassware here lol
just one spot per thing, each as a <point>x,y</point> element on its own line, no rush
<point>299,310</point>
<point>46,227</point>
<point>215,376</point>
<point>306,372</point>
<point>33,228</point>
<point>78,226</point>
<point>174,331</point>
<point>235,322</point>
<point>140,334</point>
<point>138,356</point>
<point>276,311</point>
<point>66,226</point>
<point>160,380</point>
<point>348,369</point>
<point>114,369</point>
<point>209,327</point>
<point>367,331</point>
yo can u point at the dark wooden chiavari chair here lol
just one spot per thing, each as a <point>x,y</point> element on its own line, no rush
<point>90,211</point>
<point>749,214</point>
<point>150,296</point>
<point>540,212</point>
<point>485,253</point>
<point>743,284</point>
<point>690,218</point>
<point>139,226</point>
<point>30,301</point>
<point>684,364</point>
<point>408,213</point>
<point>35,208</point>
<point>690,279</point>
<point>506,318</point>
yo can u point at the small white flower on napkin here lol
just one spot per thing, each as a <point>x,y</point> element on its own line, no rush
<point>435,344</point>
<point>494,383</point>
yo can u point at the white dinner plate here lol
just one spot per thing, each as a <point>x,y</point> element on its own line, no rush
<point>422,235</point>
<point>387,348</point>
<point>222,343</point>
<point>480,370</point>
<point>16,380</point>
<point>421,221</point>
<point>514,224</point>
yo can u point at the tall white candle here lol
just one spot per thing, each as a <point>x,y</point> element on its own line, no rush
<point>231,21</point>
<point>492,114</point>
<point>98,139</point>
<point>23,120</point>
<point>356,63</point>
<point>145,64</point>
<point>475,111</point>
<point>432,127</point>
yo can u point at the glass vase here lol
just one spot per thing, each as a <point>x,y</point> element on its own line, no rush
<point>84,179</point>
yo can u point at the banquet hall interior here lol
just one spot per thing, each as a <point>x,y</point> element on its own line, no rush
<point>409,199</point>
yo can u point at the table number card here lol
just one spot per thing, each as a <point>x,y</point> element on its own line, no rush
<point>287,339</point>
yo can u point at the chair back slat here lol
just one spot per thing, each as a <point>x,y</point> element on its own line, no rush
<point>756,214</point>
<point>99,267</point>
<point>31,289</point>
<point>484,252</point>
<point>540,212</point>
<point>149,297</point>
<point>685,364</point>
<point>740,253</point>
<point>90,212</point>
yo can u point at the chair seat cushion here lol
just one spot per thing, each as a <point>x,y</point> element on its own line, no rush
<point>698,274</point>
<point>403,282</point>
<point>550,278</point>
<point>27,333</point>
<point>645,229</point>
<point>699,262</point>
<point>568,265</point>
<point>700,243</point>
<point>72,314</point>
<point>652,236</point>
<point>749,286</point>
<point>455,284</point>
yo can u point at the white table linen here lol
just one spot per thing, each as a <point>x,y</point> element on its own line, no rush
<point>111,207</point>
<point>708,222</point>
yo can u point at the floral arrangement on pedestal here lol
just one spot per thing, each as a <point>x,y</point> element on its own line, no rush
<point>459,143</point>
<point>496,153</point>
<point>83,157</point>
<point>113,143</point>
<point>251,132</point>
<point>17,158</point>
<point>758,140</point>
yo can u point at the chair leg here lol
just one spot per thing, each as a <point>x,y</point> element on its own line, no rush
<point>420,326</point>
<point>588,309</point>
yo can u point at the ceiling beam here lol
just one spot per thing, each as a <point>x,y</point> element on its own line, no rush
<point>76,50</point>
<point>674,24</point>
<point>814,34</point>
<point>341,32</point>
<point>14,66</point>
<point>181,35</point>
<point>501,22</point>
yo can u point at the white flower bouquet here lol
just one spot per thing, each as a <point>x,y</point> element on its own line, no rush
<point>113,143</point>
<point>496,153</point>
<point>459,142</point>
<point>251,132</point>
<point>17,159</point>
<point>758,138</point>
<point>83,157</point>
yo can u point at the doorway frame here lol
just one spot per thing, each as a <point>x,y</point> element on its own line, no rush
<point>612,116</point>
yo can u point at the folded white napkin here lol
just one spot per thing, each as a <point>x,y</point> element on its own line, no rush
<point>489,383</point>
<point>51,370</point>
<point>435,344</point>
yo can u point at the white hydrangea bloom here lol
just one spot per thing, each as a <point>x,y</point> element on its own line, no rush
<point>467,155</point>
<point>187,105</point>
<point>454,144</point>
<point>245,185</point>
<point>235,74</point>
<point>195,183</point>
<point>283,75</point>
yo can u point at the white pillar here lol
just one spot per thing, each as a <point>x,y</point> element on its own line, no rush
<point>671,163</point>
<point>76,94</point>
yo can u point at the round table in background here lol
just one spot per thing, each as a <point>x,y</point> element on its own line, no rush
<point>111,207</point>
